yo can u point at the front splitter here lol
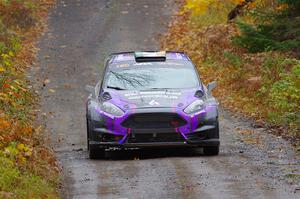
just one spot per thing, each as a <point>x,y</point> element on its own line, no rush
<point>200,143</point>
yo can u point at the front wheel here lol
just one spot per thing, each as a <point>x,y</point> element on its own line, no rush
<point>94,151</point>
<point>211,150</point>
<point>87,133</point>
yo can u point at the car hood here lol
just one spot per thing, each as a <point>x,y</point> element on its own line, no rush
<point>166,98</point>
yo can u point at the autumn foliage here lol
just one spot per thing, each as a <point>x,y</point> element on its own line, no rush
<point>263,84</point>
<point>24,157</point>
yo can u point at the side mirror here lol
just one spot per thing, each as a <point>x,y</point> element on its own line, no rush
<point>211,86</point>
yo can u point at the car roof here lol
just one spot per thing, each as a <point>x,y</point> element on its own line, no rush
<point>134,57</point>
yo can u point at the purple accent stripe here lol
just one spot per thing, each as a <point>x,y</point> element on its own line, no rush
<point>123,57</point>
<point>176,56</point>
<point>125,136</point>
<point>184,136</point>
<point>123,139</point>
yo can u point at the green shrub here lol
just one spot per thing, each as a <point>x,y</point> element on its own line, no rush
<point>280,36</point>
<point>19,184</point>
<point>272,30</point>
<point>285,97</point>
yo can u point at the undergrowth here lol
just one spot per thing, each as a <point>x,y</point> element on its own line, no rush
<point>254,78</point>
<point>28,168</point>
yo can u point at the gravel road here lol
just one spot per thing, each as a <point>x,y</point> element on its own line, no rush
<point>251,164</point>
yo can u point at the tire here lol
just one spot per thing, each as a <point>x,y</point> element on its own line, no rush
<point>215,132</point>
<point>96,153</point>
<point>87,133</point>
<point>211,150</point>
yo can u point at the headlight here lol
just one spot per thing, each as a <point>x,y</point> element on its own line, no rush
<point>111,109</point>
<point>194,107</point>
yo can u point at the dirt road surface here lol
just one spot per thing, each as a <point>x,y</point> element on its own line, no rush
<point>252,163</point>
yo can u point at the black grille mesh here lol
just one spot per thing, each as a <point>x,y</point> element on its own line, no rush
<point>153,121</point>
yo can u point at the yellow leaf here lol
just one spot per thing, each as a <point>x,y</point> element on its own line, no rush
<point>22,160</point>
<point>238,1</point>
<point>2,69</point>
<point>21,147</point>
<point>10,53</point>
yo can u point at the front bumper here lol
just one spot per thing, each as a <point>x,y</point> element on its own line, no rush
<point>200,143</point>
<point>200,130</point>
<point>205,136</point>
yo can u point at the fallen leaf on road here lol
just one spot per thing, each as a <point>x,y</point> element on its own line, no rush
<point>245,131</point>
<point>46,81</point>
<point>108,174</point>
<point>51,90</point>
<point>67,86</point>
<point>250,140</point>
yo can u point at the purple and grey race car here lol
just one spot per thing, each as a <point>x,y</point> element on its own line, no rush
<point>151,99</point>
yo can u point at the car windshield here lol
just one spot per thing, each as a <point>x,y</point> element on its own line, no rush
<point>143,78</point>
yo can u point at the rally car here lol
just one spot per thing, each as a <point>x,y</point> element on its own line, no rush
<point>151,99</point>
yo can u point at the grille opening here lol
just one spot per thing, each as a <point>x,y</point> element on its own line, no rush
<point>107,137</point>
<point>153,120</point>
<point>148,137</point>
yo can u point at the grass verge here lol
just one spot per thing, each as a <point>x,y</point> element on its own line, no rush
<point>28,168</point>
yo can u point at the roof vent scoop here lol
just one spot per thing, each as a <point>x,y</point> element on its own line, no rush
<point>150,56</point>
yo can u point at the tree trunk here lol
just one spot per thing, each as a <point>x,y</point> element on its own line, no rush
<point>238,9</point>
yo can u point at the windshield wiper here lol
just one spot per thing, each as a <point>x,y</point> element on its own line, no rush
<point>115,87</point>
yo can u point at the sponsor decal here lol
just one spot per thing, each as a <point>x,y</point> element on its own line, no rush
<point>123,57</point>
<point>154,103</point>
<point>172,63</point>
<point>153,94</point>
<point>151,54</point>
<point>143,64</point>
<point>122,66</point>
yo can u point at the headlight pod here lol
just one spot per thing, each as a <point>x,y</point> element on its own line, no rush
<point>195,106</point>
<point>111,109</point>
